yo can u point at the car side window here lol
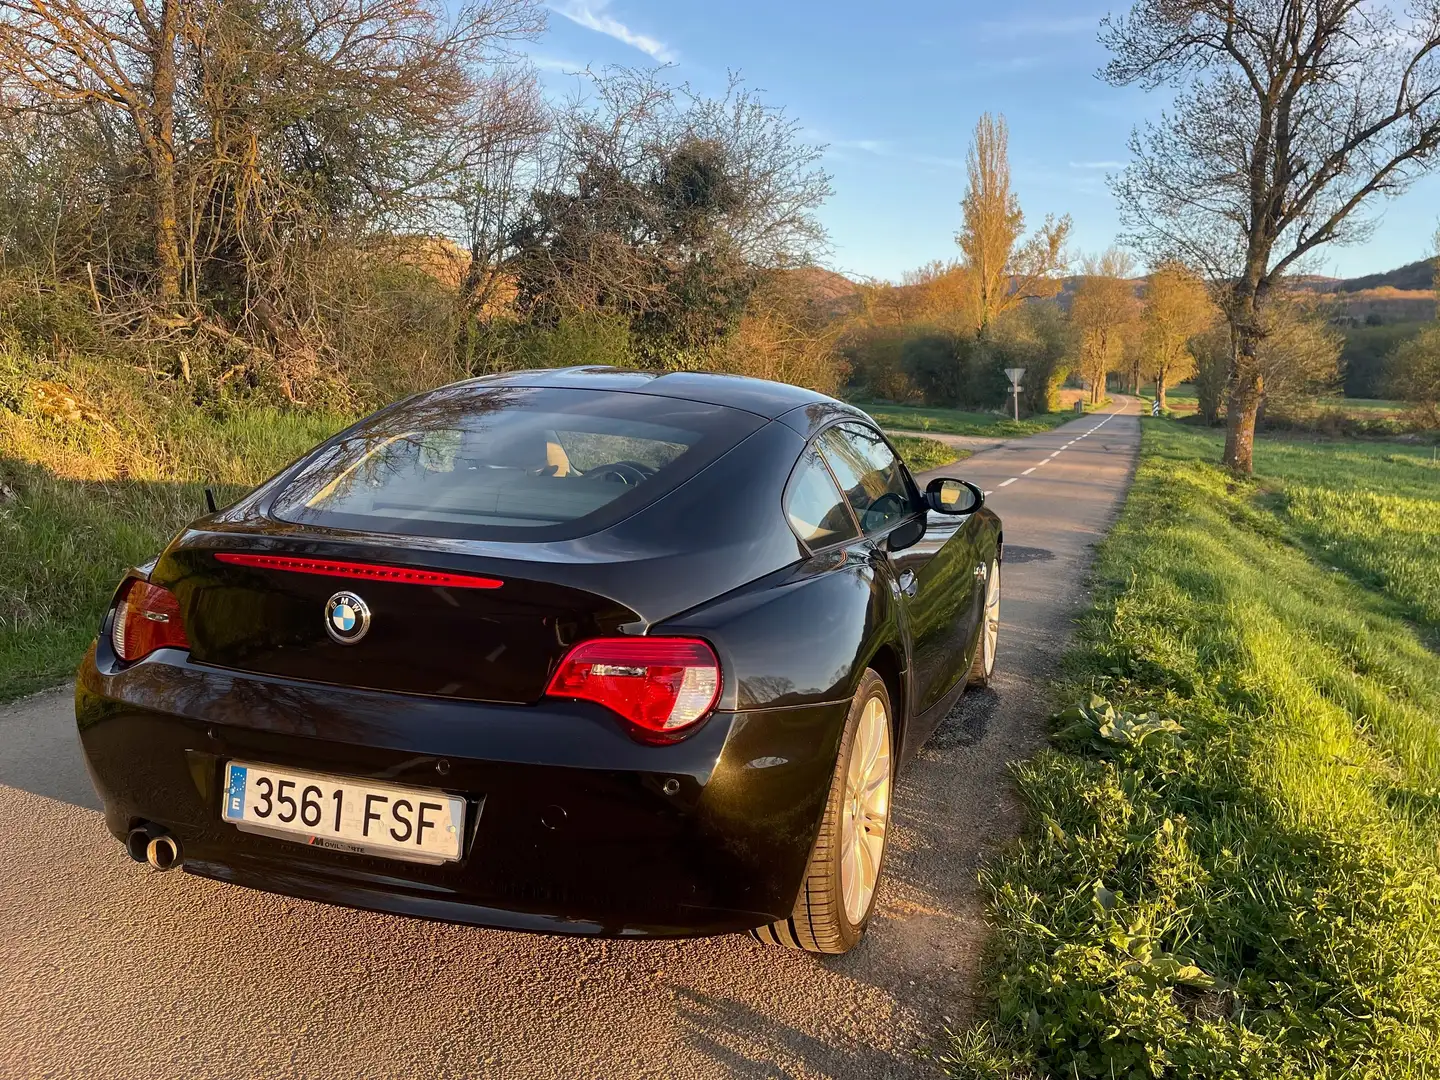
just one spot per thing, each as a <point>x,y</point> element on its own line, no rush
<point>814,506</point>
<point>873,479</point>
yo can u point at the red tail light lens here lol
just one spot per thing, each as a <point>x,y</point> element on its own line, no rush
<point>147,618</point>
<point>658,684</point>
<point>364,571</point>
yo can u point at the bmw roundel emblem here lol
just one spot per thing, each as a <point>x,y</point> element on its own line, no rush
<point>347,618</point>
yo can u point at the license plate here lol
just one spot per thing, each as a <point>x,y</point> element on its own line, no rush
<point>346,815</point>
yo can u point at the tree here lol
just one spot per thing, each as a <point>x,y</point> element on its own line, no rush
<point>1299,353</point>
<point>1413,369</point>
<point>1003,269</point>
<point>1177,307</point>
<point>1214,351</point>
<point>1038,338</point>
<point>266,128</point>
<point>1290,117</point>
<point>666,208</point>
<point>111,55</point>
<point>1105,305</point>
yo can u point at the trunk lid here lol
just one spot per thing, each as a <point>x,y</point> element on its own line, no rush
<point>487,644</point>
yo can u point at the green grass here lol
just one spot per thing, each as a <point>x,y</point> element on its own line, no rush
<point>960,422</point>
<point>1256,895</point>
<point>1182,399</point>
<point>921,453</point>
<point>1383,406</point>
<point>65,542</point>
<point>1368,510</point>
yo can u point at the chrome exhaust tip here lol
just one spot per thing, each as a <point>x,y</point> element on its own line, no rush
<point>163,853</point>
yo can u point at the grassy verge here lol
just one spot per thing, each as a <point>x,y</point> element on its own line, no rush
<point>1327,416</point>
<point>66,538</point>
<point>960,422</point>
<point>1246,883</point>
<point>921,453</point>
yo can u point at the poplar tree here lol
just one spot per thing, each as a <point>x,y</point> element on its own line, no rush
<point>1003,267</point>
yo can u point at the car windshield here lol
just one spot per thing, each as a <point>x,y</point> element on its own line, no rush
<point>512,462</point>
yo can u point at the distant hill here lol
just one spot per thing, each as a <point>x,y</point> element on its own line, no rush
<point>1416,277</point>
<point>831,293</point>
<point>1405,294</point>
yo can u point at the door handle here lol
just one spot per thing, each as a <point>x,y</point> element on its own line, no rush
<point>982,572</point>
<point>909,583</point>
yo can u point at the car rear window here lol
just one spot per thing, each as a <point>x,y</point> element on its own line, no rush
<point>508,462</point>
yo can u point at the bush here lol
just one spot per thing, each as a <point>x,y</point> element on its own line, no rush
<point>1412,371</point>
<point>1364,357</point>
<point>934,362</point>
<point>924,363</point>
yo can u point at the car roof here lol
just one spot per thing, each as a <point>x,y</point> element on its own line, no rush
<point>759,396</point>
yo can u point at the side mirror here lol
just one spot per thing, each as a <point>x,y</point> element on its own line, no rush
<point>947,496</point>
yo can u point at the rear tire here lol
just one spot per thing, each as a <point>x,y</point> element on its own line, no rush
<point>842,879</point>
<point>982,668</point>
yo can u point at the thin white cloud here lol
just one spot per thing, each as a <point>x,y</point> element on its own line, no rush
<point>878,147</point>
<point>1097,164</point>
<point>1012,64</point>
<point>850,149</point>
<point>1038,26</point>
<point>556,63</point>
<point>594,15</point>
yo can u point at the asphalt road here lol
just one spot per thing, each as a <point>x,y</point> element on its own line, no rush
<point>108,970</point>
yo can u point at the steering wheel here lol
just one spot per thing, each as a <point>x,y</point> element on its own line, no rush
<point>628,473</point>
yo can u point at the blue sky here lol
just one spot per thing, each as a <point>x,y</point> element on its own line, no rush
<point>894,89</point>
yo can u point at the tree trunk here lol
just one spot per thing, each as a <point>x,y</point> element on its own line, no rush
<point>1160,378</point>
<point>1242,393</point>
<point>161,151</point>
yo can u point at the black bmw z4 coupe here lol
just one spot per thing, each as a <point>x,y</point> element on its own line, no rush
<point>582,651</point>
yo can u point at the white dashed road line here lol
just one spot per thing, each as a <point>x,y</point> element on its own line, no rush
<point>1072,442</point>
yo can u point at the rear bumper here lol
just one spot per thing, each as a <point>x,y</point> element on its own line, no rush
<point>573,826</point>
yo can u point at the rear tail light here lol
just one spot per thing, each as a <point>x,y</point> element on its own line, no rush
<point>147,618</point>
<point>659,684</point>
<point>404,575</point>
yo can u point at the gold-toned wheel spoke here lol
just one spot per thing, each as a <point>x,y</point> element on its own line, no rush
<point>875,826</point>
<point>992,617</point>
<point>867,805</point>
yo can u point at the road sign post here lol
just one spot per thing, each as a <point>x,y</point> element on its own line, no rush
<point>1014,374</point>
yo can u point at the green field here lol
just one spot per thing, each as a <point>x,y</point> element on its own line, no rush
<point>958,421</point>
<point>1246,883</point>
<point>1182,399</point>
<point>921,453</point>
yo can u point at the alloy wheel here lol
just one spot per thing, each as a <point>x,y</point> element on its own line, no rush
<point>866,811</point>
<point>991,636</point>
